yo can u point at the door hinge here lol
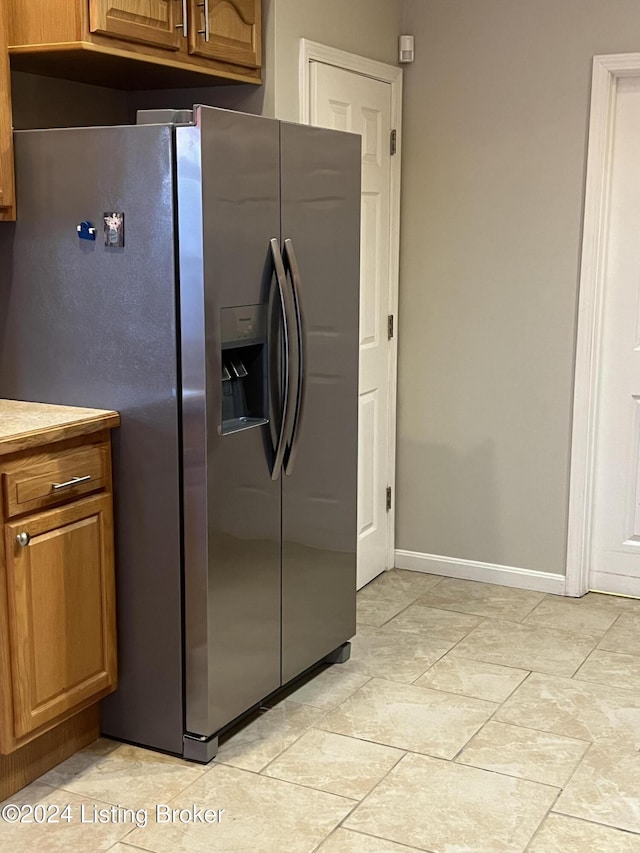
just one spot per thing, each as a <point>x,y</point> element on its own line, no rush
<point>393,142</point>
<point>388,498</point>
<point>390,326</point>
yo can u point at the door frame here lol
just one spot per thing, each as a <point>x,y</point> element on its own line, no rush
<point>311,51</point>
<point>607,71</point>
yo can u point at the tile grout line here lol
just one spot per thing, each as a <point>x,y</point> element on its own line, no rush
<point>542,822</point>
<point>376,837</point>
<point>632,833</point>
<point>577,767</point>
<point>377,785</point>
<point>282,751</point>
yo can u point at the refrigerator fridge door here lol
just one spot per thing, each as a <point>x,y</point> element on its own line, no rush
<point>229,212</point>
<point>86,324</point>
<point>320,186</point>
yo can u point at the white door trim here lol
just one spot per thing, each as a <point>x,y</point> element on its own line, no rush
<point>311,51</point>
<point>607,70</point>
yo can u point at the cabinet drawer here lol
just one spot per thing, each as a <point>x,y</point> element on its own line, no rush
<point>47,481</point>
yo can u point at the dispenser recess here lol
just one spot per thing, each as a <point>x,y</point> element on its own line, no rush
<point>243,337</point>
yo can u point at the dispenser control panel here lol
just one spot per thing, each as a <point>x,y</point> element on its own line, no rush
<point>243,325</point>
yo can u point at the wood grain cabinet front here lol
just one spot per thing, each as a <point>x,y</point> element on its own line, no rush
<point>152,22</point>
<point>57,579</point>
<point>60,596</point>
<point>137,44</point>
<point>226,28</point>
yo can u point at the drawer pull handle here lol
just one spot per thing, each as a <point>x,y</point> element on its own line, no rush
<point>23,539</point>
<point>74,481</point>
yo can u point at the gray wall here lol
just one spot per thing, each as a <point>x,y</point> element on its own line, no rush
<point>48,102</point>
<point>366,27</point>
<point>495,130</point>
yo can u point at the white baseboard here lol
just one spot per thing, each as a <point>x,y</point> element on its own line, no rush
<point>472,570</point>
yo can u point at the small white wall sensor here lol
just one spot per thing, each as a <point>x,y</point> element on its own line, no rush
<point>406,52</point>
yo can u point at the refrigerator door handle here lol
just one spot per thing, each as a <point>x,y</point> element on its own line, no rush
<point>294,269</point>
<point>281,278</point>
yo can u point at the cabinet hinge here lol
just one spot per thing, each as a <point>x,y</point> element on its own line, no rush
<point>390,326</point>
<point>388,498</point>
<point>393,142</point>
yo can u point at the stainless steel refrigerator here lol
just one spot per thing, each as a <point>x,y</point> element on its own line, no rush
<point>200,275</point>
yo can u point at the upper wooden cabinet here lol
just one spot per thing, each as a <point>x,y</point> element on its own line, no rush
<point>226,27</point>
<point>145,21</point>
<point>136,44</point>
<point>7,210</point>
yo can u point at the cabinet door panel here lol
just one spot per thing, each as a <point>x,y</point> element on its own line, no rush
<point>234,30</point>
<point>61,611</point>
<point>148,21</point>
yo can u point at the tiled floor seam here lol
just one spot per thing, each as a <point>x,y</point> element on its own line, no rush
<point>368,794</point>
<point>369,835</point>
<point>507,775</point>
<point>478,660</point>
<point>527,728</point>
<point>558,789</point>
<point>544,819</point>
<point>220,761</point>
<point>456,643</point>
<point>363,740</point>
<point>629,832</point>
<point>262,774</point>
<point>348,696</point>
<point>125,843</point>
<point>97,801</point>
<point>598,823</point>
<point>259,774</point>
<point>575,817</point>
<point>542,822</point>
<point>179,793</point>
<point>399,613</point>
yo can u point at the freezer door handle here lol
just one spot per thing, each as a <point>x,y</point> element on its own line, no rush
<point>281,279</point>
<point>298,374</point>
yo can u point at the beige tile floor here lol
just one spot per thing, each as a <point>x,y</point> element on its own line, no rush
<point>471,719</point>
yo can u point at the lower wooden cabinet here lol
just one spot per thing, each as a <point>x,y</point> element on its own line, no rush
<point>60,596</point>
<point>57,599</point>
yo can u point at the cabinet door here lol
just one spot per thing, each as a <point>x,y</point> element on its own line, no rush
<point>227,30</point>
<point>156,22</point>
<point>60,590</point>
<point>6,135</point>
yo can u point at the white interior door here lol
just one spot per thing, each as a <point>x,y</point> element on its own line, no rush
<point>615,537</point>
<point>345,100</point>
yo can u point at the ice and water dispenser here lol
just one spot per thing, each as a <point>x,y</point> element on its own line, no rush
<point>243,335</point>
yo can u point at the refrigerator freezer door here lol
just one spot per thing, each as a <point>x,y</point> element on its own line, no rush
<point>229,210</point>
<point>87,325</point>
<point>320,185</point>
